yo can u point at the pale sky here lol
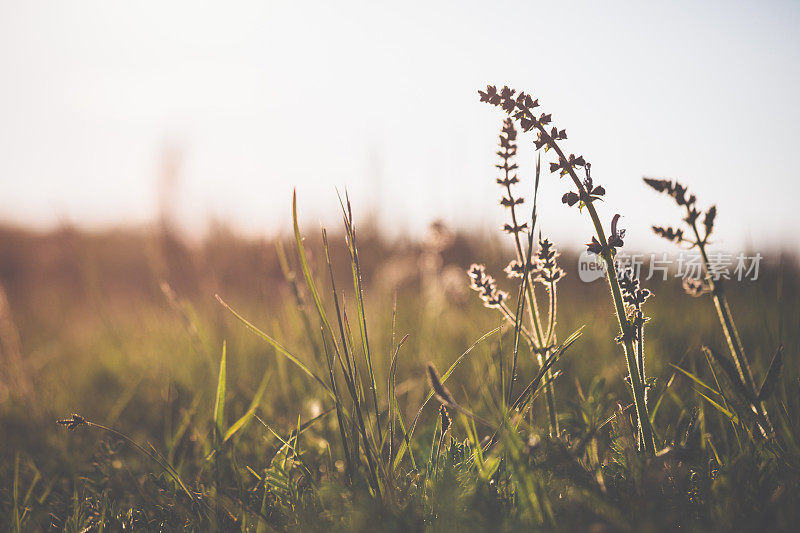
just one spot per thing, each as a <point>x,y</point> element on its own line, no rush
<point>381,98</point>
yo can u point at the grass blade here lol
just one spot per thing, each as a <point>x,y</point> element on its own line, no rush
<point>278,346</point>
<point>404,446</point>
<point>219,402</point>
<point>245,419</point>
<point>696,379</point>
<point>732,417</point>
<point>773,373</point>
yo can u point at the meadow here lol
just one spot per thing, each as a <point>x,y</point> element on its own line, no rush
<point>343,380</point>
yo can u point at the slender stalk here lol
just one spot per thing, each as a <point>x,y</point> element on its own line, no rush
<point>550,397</point>
<point>509,316</point>
<point>551,320</point>
<point>351,372</point>
<point>729,329</point>
<point>521,257</point>
<point>517,331</point>
<point>640,353</point>
<point>152,453</point>
<point>549,340</point>
<point>362,323</point>
<point>542,339</point>
<point>724,313</point>
<point>637,385</point>
<point>640,364</point>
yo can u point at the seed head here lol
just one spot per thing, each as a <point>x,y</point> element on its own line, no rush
<point>508,149</point>
<point>508,136</point>
<point>632,293</point>
<point>441,392</point>
<point>673,188</point>
<point>548,271</point>
<point>708,220</point>
<point>594,247</point>
<point>486,286</point>
<point>695,287</point>
<point>659,185</point>
<point>516,269</point>
<point>445,418</point>
<point>616,234</point>
<point>692,215</point>
<point>669,233</point>
<point>521,107</point>
<point>72,423</point>
<point>510,202</point>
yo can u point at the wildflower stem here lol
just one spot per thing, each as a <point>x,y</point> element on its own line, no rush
<point>640,364</point>
<point>640,352</point>
<point>551,322</point>
<point>729,329</point>
<point>725,318</point>
<point>541,357</point>
<point>521,257</point>
<point>542,340</point>
<point>525,333</point>
<point>548,388</point>
<point>637,384</point>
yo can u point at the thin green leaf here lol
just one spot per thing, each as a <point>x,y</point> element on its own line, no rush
<point>359,293</point>
<point>732,417</point>
<point>248,416</point>
<point>695,379</point>
<point>732,374</point>
<point>219,402</point>
<point>773,373</point>
<point>278,346</point>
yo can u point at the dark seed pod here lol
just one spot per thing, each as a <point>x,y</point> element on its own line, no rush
<point>669,233</point>
<point>445,419</point>
<point>659,185</point>
<point>441,392</point>
<point>695,287</point>
<point>708,220</point>
<point>72,423</point>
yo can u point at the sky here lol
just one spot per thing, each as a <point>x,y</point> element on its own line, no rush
<point>253,99</point>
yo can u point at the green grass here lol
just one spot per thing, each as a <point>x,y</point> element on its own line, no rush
<point>228,428</point>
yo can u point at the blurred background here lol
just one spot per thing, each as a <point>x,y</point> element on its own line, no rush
<point>114,113</point>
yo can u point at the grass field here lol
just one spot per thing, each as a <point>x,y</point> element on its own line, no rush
<point>188,418</point>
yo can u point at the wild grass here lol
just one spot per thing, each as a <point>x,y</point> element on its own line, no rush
<point>330,387</point>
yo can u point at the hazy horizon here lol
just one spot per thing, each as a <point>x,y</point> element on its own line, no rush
<point>255,99</point>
